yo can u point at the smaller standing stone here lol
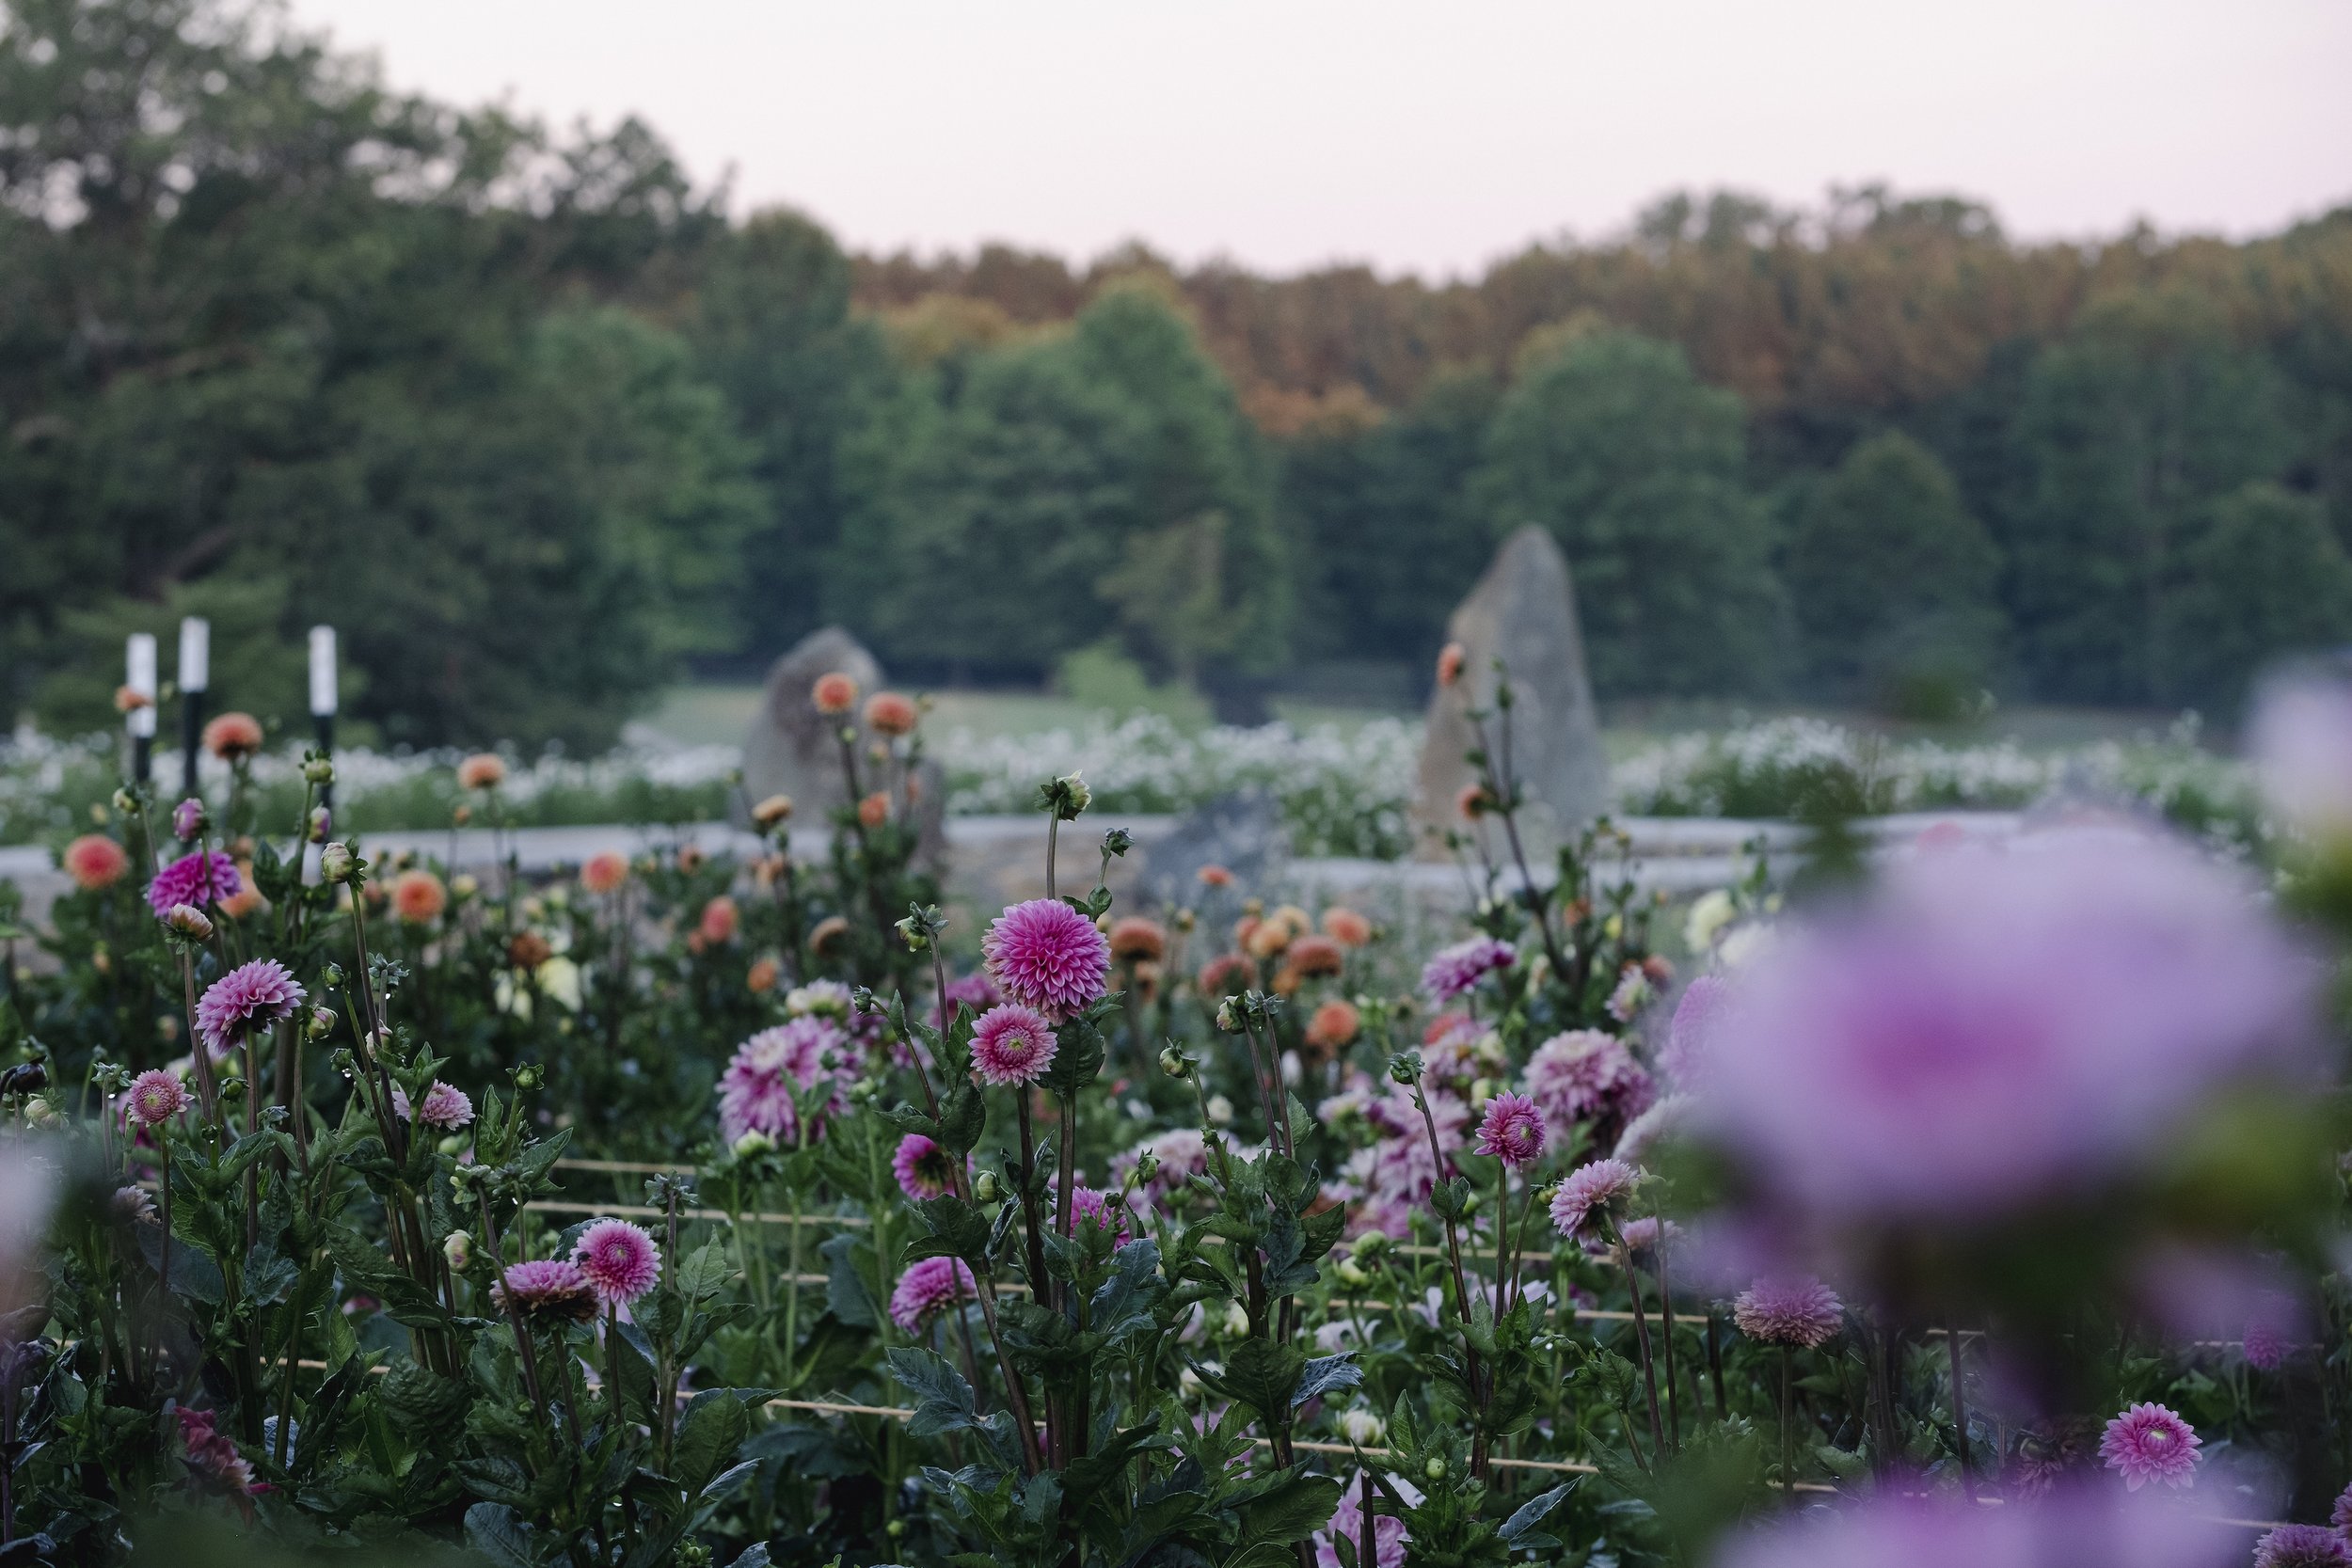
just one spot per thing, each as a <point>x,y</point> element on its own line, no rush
<point>1522,611</point>
<point>793,750</point>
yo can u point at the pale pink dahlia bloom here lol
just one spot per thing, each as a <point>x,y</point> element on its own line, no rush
<point>1590,1188</point>
<point>1586,1073</point>
<point>1389,1534</point>
<point>155,1098</point>
<point>1513,1131</point>
<point>1012,1044</point>
<point>1451,971</point>
<point>204,878</point>
<point>927,1288</point>
<point>1685,1056</point>
<point>2302,1546</point>
<point>1995,1028</point>
<point>923,1168</point>
<point>1800,1311</point>
<point>2149,1442</point>
<point>756,1093</point>
<point>620,1261</point>
<point>249,997</point>
<point>1045,955</point>
<point>445,1106</point>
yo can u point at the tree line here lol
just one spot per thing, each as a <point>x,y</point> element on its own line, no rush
<point>539,425</point>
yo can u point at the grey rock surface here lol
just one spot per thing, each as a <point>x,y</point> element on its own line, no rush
<point>1524,613</point>
<point>791,748</point>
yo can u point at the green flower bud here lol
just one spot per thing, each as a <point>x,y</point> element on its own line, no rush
<point>986,1188</point>
<point>334,863</point>
<point>1435,1469</point>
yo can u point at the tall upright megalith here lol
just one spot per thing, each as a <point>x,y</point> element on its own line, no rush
<point>793,750</point>
<point>1524,613</point>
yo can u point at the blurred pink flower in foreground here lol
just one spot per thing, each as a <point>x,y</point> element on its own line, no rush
<point>1990,1027</point>
<point>2300,739</point>
<point>2084,1529</point>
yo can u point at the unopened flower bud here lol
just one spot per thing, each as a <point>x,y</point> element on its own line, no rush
<point>322,823</point>
<point>189,818</point>
<point>319,770</point>
<point>986,1188</point>
<point>321,1023</point>
<point>1220,1110</point>
<point>457,1248</point>
<point>529,1076</point>
<point>187,921</point>
<point>1175,1063</point>
<point>1404,1068</point>
<point>1147,1166</point>
<point>1236,1321</point>
<point>1352,1273</point>
<point>1435,1469</point>
<point>910,931</point>
<point>1228,1016</point>
<point>1361,1427</point>
<point>334,863</point>
<point>465,885</point>
<point>753,1144</point>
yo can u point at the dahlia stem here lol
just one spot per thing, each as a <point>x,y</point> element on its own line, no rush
<point>199,1053</point>
<point>162,1270</point>
<point>1052,840</point>
<point>1715,1364</point>
<point>523,1347</point>
<point>1788,1462</point>
<point>1666,1332</point>
<point>1641,1341</point>
<point>1960,1416</point>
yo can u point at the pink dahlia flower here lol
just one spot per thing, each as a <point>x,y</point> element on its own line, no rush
<point>187,820</point>
<point>1513,1131</point>
<point>975,991</point>
<point>1012,1044</point>
<point>548,1290</point>
<point>924,1169</point>
<point>2078,1527</point>
<point>249,997</point>
<point>1589,1188</point>
<point>756,1091</point>
<point>1093,1206</point>
<point>926,1289</point>
<point>2341,1517</point>
<point>445,1106</point>
<point>1045,955</point>
<point>1451,972</point>
<point>2301,742</point>
<point>211,1454</point>
<point>155,1098</point>
<point>94,861</point>
<point>1389,1534</point>
<point>1996,1026</point>
<point>620,1261</point>
<point>1800,1311</point>
<point>1684,1059</point>
<point>1586,1074</point>
<point>206,877</point>
<point>2147,1442</point>
<point>2302,1546</point>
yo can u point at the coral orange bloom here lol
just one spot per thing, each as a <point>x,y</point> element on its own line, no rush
<point>605,873</point>
<point>1451,658</point>
<point>130,699</point>
<point>95,860</point>
<point>482,771</point>
<point>246,899</point>
<point>1137,940</point>
<point>232,735</point>
<point>834,693</point>
<point>1346,927</point>
<point>891,713</point>
<point>419,898</point>
<point>827,933</point>
<point>529,950</point>
<point>1216,876</point>
<point>718,921</point>
<point>1267,938</point>
<point>764,975</point>
<point>1317,958</point>
<point>1333,1024</point>
<point>874,810</point>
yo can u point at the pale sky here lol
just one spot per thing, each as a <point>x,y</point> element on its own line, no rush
<point>1416,136</point>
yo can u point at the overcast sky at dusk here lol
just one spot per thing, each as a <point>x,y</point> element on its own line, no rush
<point>1416,136</point>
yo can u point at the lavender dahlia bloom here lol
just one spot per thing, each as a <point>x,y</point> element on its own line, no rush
<point>756,1091</point>
<point>1389,1534</point>
<point>2148,1442</point>
<point>2301,741</point>
<point>1513,1131</point>
<point>1590,1188</point>
<point>926,1289</point>
<point>1451,971</point>
<point>923,1168</point>
<point>2341,1517</point>
<point>1802,1312</point>
<point>2302,1546</point>
<point>249,997</point>
<point>2080,1527</point>
<point>620,1261</point>
<point>1684,1059</point>
<point>1586,1074</point>
<point>1996,1026</point>
<point>1047,956</point>
<point>548,1290</point>
<point>155,1098</point>
<point>1012,1044</point>
<point>1095,1207</point>
<point>447,1107</point>
<point>206,877</point>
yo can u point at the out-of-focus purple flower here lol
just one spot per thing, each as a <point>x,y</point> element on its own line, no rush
<point>925,1289</point>
<point>2076,1528</point>
<point>1047,956</point>
<point>2341,1517</point>
<point>545,1290</point>
<point>1642,1236</point>
<point>2302,1546</point>
<point>2300,739</point>
<point>1093,1206</point>
<point>923,1168</point>
<point>756,1093</point>
<point>249,997</point>
<point>1586,1074</point>
<point>1800,1311</point>
<point>1662,1120</point>
<point>1684,1058</point>
<point>1451,971</point>
<point>1513,1131</point>
<point>2148,1442</point>
<point>2270,1330</point>
<point>621,1262</point>
<point>204,878</point>
<point>1994,1027</point>
<point>975,991</point>
<point>187,820</point>
<point>1012,1044</point>
<point>1183,1153</point>
<point>1589,1188</point>
<point>1635,990</point>
<point>211,1454</point>
<point>1389,1534</point>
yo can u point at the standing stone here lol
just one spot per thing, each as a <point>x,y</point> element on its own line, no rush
<point>793,750</point>
<point>1522,611</point>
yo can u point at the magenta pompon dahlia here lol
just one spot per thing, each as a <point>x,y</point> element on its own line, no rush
<point>207,877</point>
<point>1047,956</point>
<point>1451,972</point>
<point>926,1289</point>
<point>1513,1131</point>
<point>1589,1188</point>
<point>155,1098</point>
<point>547,1289</point>
<point>1012,1044</point>
<point>2302,1546</point>
<point>2149,1442</point>
<point>1800,1311</point>
<point>1586,1073</point>
<point>620,1261</point>
<point>1093,1206</point>
<point>923,1168</point>
<point>249,997</point>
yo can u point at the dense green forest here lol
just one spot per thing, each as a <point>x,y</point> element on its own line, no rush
<point>540,425</point>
